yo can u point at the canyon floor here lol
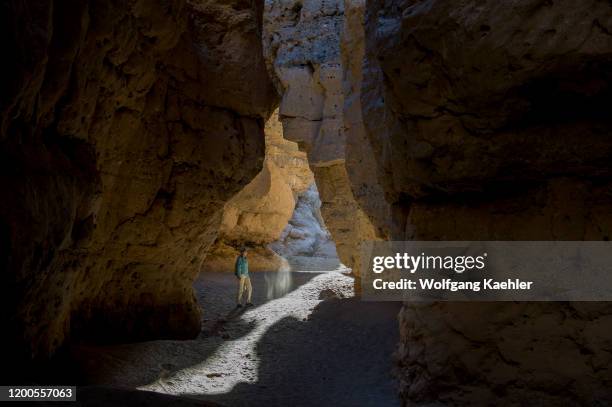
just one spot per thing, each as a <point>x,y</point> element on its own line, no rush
<point>313,343</point>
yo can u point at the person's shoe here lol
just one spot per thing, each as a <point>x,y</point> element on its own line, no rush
<point>239,306</point>
<point>249,304</point>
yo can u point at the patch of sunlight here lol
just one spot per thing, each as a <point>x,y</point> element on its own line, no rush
<point>236,360</point>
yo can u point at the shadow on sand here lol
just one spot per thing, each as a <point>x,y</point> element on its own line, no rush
<point>114,365</point>
<point>340,356</point>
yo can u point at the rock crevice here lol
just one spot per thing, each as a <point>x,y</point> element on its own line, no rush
<point>302,50</point>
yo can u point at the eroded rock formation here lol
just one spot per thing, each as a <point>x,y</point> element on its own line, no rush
<point>488,121</point>
<point>258,214</point>
<point>305,242</point>
<point>302,48</point>
<point>126,126</point>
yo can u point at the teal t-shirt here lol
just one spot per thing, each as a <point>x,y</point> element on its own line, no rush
<point>242,267</point>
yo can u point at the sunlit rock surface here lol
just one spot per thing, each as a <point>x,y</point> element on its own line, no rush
<point>488,121</point>
<point>302,49</point>
<point>125,128</point>
<point>305,242</point>
<point>258,214</point>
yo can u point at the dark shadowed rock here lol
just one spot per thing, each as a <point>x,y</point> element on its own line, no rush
<point>125,128</point>
<point>488,121</point>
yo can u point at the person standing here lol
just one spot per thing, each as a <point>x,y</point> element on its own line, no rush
<point>241,270</point>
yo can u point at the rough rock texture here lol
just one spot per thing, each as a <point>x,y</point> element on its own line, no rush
<point>125,127</point>
<point>360,162</point>
<point>305,242</point>
<point>302,48</point>
<point>488,120</point>
<point>258,214</point>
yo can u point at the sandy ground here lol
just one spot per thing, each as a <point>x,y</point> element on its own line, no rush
<point>313,345</point>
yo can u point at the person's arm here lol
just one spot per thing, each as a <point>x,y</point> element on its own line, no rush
<point>237,267</point>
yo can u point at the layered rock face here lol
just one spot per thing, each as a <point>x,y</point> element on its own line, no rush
<point>126,127</point>
<point>259,213</point>
<point>302,48</point>
<point>305,242</point>
<point>488,121</point>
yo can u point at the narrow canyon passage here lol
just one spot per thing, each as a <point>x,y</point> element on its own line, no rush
<point>145,144</point>
<point>301,348</point>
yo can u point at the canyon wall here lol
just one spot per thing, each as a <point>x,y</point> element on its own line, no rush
<point>260,212</point>
<point>489,121</point>
<point>302,50</point>
<point>305,243</point>
<point>125,128</point>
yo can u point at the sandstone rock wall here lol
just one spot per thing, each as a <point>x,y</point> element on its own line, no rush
<point>487,121</point>
<point>302,48</point>
<point>258,214</point>
<point>125,127</point>
<point>305,243</point>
